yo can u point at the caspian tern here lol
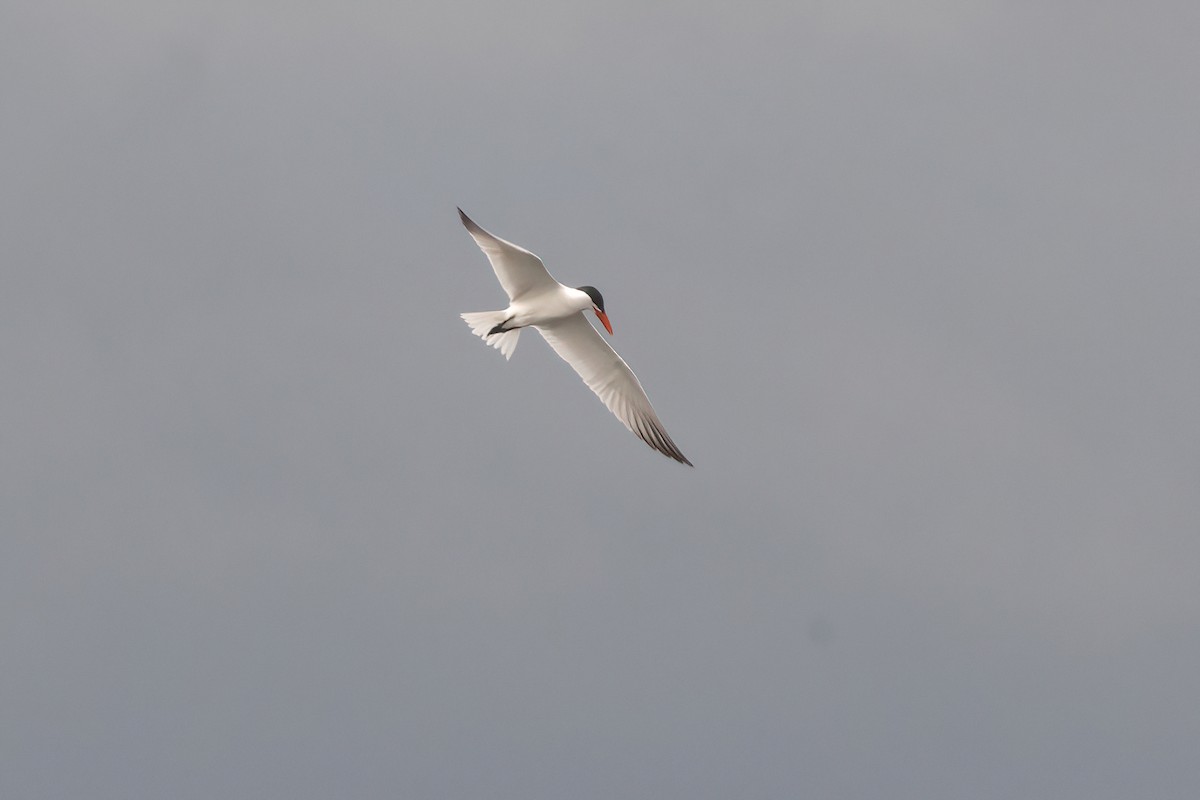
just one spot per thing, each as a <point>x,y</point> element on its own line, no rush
<point>536,299</point>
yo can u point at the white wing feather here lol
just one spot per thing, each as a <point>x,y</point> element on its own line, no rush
<point>607,374</point>
<point>518,270</point>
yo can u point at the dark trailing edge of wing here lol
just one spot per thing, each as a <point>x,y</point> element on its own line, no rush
<point>658,439</point>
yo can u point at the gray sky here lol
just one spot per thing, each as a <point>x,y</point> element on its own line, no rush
<point>913,284</point>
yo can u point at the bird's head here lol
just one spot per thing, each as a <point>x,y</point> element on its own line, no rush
<point>597,305</point>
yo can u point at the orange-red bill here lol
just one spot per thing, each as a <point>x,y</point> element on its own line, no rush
<point>603,318</point>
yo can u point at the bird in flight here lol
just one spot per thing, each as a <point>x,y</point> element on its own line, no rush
<point>556,311</point>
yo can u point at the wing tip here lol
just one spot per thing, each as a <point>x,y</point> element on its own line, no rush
<point>673,453</point>
<point>467,222</point>
<point>677,455</point>
<point>653,434</point>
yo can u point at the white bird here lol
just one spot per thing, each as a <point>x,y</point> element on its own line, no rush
<point>536,299</point>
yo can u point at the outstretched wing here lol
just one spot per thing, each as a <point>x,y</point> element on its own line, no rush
<point>519,270</point>
<point>607,374</point>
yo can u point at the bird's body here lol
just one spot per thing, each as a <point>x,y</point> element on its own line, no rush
<point>551,304</point>
<point>537,300</point>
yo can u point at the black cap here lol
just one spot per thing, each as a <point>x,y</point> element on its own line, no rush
<point>594,293</point>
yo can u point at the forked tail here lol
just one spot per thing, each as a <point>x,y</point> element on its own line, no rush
<point>482,322</point>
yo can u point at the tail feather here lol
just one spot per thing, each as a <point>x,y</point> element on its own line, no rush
<point>482,322</point>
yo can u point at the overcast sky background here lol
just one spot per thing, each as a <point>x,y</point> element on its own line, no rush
<point>915,285</point>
